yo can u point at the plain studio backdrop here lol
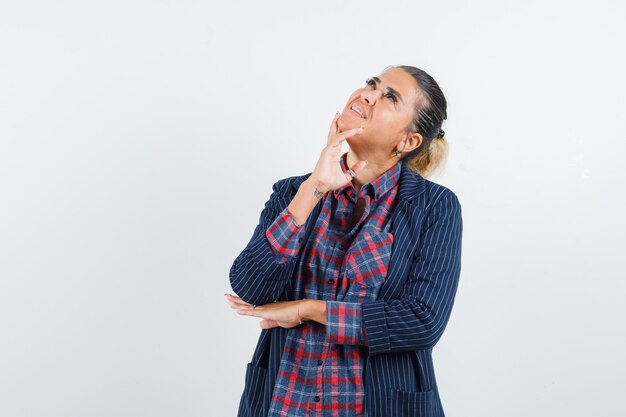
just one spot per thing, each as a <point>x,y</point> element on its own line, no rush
<point>140,140</point>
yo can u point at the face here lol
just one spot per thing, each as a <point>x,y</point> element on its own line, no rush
<point>386,105</point>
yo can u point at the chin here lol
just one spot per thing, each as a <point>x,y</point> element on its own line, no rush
<point>346,123</point>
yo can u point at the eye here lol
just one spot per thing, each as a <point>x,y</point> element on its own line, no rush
<point>391,97</point>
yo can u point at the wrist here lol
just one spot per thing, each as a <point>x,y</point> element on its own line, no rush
<point>314,310</point>
<point>318,188</point>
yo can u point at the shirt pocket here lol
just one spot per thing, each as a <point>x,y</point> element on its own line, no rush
<point>366,265</point>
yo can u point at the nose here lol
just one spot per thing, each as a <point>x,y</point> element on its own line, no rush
<point>370,96</point>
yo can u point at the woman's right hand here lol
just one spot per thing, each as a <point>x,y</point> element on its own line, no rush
<point>328,175</point>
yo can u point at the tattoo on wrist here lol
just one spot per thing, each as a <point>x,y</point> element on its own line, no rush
<point>317,193</point>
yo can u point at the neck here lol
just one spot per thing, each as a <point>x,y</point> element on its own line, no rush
<point>376,166</point>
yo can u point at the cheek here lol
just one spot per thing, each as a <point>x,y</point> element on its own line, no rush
<point>397,120</point>
<point>390,119</point>
<point>353,97</point>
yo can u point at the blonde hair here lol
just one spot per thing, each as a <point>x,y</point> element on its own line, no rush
<point>430,159</point>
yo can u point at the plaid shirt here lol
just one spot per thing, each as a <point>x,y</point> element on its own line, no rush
<point>345,263</point>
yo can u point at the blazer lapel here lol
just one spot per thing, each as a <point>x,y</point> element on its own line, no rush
<point>405,228</point>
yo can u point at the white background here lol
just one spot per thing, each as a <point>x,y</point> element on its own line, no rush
<point>140,140</point>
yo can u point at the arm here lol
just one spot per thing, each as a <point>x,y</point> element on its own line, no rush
<point>414,321</point>
<point>263,269</point>
<point>418,318</point>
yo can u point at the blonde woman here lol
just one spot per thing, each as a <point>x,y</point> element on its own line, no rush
<point>353,267</point>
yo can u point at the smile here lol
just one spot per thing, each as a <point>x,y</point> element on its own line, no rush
<point>358,111</point>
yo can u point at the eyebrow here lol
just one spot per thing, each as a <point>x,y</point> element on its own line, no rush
<point>391,90</point>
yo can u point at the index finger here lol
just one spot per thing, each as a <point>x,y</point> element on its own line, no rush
<point>333,128</point>
<point>344,135</point>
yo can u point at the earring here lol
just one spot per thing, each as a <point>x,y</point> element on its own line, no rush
<point>398,153</point>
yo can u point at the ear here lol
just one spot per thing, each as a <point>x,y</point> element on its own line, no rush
<point>411,141</point>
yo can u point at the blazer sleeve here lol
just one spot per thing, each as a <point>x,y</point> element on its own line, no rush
<point>259,275</point>
<point>417,319</point>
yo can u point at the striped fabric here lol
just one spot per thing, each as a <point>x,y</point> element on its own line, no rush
<point>402,324</point>
<point>345,263</point>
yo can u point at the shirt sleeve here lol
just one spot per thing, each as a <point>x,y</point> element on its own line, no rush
<point>344,324</point>
<point>285,236</point>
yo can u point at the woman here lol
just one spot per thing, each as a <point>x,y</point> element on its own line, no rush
<point>353,268</point>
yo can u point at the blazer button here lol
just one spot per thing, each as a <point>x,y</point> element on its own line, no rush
<point>331,281</point>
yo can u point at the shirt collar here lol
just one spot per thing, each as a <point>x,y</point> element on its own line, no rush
<point>376,188</point>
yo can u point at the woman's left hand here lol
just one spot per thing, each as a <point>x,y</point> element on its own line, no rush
<point>279,314</point>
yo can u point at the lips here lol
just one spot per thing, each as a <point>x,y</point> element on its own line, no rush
<point>363,113</point>
<point>356,114</point>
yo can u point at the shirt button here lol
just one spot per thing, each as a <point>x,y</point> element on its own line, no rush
<point>320,362</point>
<point>317,398</point>
<point>341,246</point>
<point>331,281</point>
<point>345,213</point>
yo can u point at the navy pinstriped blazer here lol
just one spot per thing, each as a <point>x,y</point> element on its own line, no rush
<point>403,324</point>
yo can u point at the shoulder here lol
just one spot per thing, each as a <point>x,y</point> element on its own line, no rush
<point>442,206</point>
<point>284,185</point>
<point>285,188</point>
<point>438,194</point>
<point>424,193</point>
